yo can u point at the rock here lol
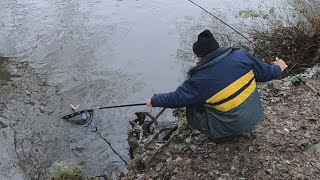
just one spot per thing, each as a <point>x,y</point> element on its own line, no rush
<point>188,140</point>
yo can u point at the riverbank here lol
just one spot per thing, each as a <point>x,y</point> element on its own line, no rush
<point>286,145</point>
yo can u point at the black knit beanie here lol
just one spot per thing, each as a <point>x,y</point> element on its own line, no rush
<point>205,44</point>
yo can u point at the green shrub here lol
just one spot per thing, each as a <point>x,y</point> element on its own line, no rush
<point>253,14</point>
<point>61,171</point>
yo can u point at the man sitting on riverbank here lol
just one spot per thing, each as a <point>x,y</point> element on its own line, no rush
<point>220,95</point>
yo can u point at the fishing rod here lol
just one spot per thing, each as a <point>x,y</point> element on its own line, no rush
<point>90,111</point>
<point>291,72</point>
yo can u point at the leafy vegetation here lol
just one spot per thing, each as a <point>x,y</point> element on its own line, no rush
<point>253,14</point>
<point>61,171</point>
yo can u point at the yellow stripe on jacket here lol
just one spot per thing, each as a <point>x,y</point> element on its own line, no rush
<point>232,89</point>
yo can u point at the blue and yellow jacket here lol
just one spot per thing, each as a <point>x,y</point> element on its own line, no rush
<point>221,94</point>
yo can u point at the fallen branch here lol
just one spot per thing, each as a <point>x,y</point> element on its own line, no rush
<point>155,136</point>
<point>167,136</point>
<point>148,162</point>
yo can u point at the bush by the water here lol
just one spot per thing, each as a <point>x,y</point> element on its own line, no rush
<point>62,171</point>
<point>293,35</point>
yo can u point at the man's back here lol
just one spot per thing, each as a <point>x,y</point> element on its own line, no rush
<point>232,103</point>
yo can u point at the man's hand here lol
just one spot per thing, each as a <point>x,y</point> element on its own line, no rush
<point>280,63</point>
<point>149,104</point>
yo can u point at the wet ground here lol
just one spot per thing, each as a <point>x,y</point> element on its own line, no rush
<point>94,53</point>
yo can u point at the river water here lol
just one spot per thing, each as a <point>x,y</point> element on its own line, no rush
<point>54,53</point>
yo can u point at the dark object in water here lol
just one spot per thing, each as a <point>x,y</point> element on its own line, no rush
<point>2,125</point>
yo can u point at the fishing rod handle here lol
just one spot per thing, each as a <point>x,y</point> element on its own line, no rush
<point>125,105</point>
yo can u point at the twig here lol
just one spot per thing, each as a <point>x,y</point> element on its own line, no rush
<point>155,136</point>
<point>150,116</point>
<point>149,161</point>
<point>167,136</point>
<point>154,119</point>
<point>157,116</point>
